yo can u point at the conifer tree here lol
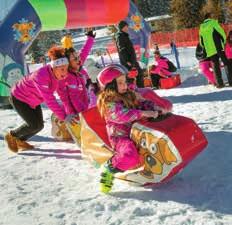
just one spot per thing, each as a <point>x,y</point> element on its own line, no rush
<point>186,13</point>
<point>215,7</point>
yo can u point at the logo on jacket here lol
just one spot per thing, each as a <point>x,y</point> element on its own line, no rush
<point>24,31</point>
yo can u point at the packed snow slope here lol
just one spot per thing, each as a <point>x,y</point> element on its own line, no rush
<point>53,185</point>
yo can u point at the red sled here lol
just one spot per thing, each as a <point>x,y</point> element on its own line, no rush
<point>170,82</point>
<point>165,146</point>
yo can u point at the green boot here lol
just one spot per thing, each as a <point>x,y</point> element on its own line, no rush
<point>107,177</point>
<point>106,181</point>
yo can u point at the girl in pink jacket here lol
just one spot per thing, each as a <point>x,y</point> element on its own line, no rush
<point>34,89</point>
<point>73,90</point>
<point>161,69</point>
<point>228,47</point>
<point>120,107</point>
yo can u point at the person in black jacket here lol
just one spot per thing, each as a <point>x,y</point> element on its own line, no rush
<point>126,52</point>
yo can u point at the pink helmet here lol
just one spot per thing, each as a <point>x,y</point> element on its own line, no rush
<point>109,73</point>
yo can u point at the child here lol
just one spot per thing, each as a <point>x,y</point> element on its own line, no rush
<point>120,108</point>
<point>30,92</point>
<point>73,90</point>
<point>228,47</point>
<point>205,64</point>
<point>161,70</point>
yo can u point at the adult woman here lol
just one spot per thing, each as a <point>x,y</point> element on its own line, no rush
<point>34,89</point>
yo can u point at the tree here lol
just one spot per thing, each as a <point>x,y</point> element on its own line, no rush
<point>215,7</point>
<point>228,7</point>
<point>186,13</point>
<point>43,42</point>
<point>149,8</point>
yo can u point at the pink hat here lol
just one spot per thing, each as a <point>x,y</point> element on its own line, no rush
<point>109,73</point>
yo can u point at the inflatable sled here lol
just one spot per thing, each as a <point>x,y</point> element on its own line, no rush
<point>170,82</point>
<point>59,130</point>
<point>166,145</point>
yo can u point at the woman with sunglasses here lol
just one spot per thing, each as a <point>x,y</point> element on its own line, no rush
<point>73,90</point>
<point>30,92</point>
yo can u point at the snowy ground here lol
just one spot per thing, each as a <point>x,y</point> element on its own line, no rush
<point>53,185</point>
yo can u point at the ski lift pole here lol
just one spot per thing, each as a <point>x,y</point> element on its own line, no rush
<point>109,55</point>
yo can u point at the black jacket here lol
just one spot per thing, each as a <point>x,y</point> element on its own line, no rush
<point>125,49</point>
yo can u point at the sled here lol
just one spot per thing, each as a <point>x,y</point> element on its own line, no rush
<point>170,82</point>
<point>75,131</point>
<point>165,146</point>
<point>59,130</point>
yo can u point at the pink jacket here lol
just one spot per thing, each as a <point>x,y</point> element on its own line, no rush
<point>161,67</point>
<point>72,90</point>
<point>39,87</point>
<point>228,50</point>
<point>73,94</point>
<point>119,120</point>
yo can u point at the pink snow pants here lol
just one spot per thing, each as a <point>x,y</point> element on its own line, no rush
<point>126,154</point>
<point>205,69</point>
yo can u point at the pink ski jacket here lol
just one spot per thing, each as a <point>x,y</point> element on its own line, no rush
<point>39,87</point>
<point>72,90</point>
<point>228,50</point>
<point>161,67</point>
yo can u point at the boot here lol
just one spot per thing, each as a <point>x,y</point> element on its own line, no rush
<point>11,142</point>
<point>107,177</point>
<point>106,182</point>
<point>23,145</point>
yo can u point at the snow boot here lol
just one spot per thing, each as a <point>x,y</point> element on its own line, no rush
<point>106,182</point>
<point>107,177</point>
<point>23,145</point>
<point>11,142</point>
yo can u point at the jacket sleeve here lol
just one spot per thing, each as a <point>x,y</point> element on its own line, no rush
<point>64,97</point>
<point>122,48</point>
<point>84,52</point>
<point>42,84</point>
<point>220,30</point>
<point>118,114</point>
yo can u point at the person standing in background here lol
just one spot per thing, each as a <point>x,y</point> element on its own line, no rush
<point>127,55</point>
<point>213,39</point>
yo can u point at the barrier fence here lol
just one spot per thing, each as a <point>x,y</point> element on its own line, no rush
<point>182,38</point>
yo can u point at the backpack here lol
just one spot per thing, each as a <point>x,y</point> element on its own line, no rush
<point>171,66</point>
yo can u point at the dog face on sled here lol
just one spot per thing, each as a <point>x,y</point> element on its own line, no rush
<point>154,151</point>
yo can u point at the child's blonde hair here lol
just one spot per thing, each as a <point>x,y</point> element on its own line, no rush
<point>108,95</point>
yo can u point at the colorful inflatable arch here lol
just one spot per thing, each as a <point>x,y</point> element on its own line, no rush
<point>28,17</point>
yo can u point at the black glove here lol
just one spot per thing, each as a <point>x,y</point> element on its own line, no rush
<point>88,83</point>
<point>91,34</point>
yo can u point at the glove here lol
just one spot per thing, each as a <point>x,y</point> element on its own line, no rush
<point>91,34</point>
<point>72,118</point>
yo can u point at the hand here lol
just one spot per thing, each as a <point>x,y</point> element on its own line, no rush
<point>161,110</point>
<point>73,119</point>
<point>150,114</point>
<point>89,32</point>
<point>139,97</point>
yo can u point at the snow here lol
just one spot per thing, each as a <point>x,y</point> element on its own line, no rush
<point>53,185</point>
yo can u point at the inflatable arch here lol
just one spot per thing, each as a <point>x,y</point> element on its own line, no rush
<point>28,17</point>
